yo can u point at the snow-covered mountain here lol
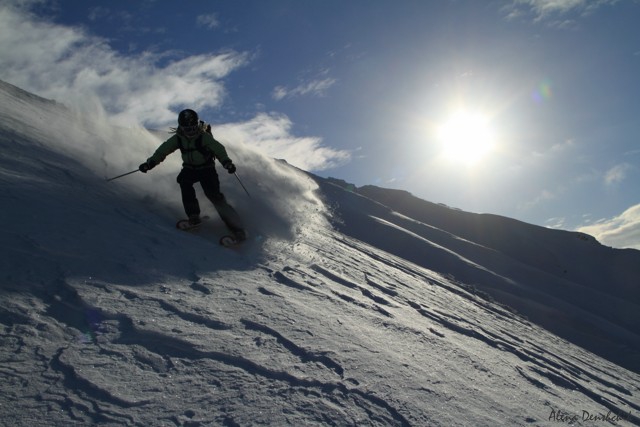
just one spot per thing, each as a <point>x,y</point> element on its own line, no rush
<point>347,306</point>
<point>565,281</point>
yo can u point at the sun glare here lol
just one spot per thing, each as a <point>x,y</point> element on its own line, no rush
<point>466,138</point>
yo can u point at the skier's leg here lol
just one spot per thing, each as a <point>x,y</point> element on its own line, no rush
<point>229,215</point>
<point>186,179</point>
<point>211,187</point>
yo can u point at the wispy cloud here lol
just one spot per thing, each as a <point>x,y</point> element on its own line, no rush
<point>209,20</point>
<point>617,174</point>
<point>98,12</point>
<point>551,9</point>
<point>271,134</point>
<point>556,150</point>
<point>542,197</point>
<point>557,222</point>
<point>71,66</point>
<point>622,231</point>
<point>316,87</point>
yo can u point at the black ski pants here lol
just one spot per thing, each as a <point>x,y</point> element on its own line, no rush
<point>208,179</point>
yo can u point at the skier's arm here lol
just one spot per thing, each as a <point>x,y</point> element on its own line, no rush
<point>166,148</point>
<point>216,148</point>
<point>221,153</point>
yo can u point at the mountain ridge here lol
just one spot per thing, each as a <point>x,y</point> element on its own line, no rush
<point>602,294</point>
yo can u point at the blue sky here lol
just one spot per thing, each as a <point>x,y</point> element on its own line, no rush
<point>523,108</point>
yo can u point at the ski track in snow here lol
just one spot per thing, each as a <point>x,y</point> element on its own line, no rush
<point>134,323</point>
<point>341,336</point>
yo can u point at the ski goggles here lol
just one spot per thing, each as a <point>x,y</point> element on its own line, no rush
<point>190,130</point>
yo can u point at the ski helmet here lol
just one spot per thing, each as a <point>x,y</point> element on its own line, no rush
<point>188,118</point>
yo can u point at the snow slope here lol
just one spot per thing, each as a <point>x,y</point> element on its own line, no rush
<point>341,310</point>
<point>566,281</point>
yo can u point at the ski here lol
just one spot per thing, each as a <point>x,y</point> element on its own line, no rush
<point>235,239</point>
<point>184,225</point>
<point>229,241</point>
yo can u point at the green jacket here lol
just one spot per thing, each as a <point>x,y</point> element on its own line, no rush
<point>191,156</point>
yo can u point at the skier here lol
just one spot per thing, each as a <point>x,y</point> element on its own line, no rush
<point>199,150</point>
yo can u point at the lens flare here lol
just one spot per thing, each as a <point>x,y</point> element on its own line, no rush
<point>542,92</point>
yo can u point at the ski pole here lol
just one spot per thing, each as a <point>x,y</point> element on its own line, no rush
<point>124,174</point>
<point>243,187</point>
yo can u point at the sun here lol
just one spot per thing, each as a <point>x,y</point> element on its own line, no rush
<point>466,137</point>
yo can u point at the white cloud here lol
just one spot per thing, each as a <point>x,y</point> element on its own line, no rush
<point>315,87</point>
<point>279,92</point>
<point>544,9</point>
<point>617,174</point>
<point>558,222</point>
<point>209,20</point>
<point>543,197</point>
<point>565,145</point>
<point>622,231</point>
<point>271,135</point>
<point>71,66</point>
<point>556,150</point>
<point>76,68</point>
<point>98,12</point>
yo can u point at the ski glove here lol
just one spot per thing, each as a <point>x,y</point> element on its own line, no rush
<point>147,166</point>
<point>229,166</point>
